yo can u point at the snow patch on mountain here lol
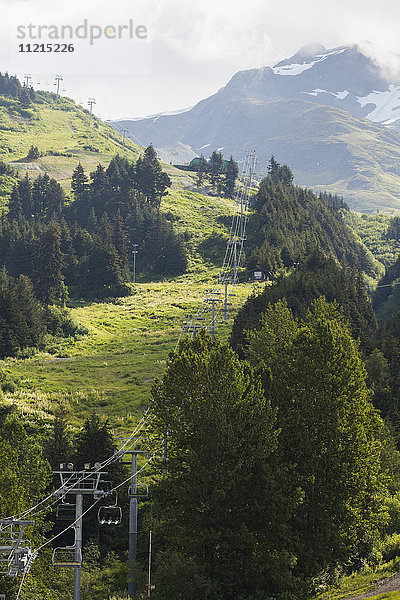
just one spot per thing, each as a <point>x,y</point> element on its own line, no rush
<point>294,69</point>
<point>387,105</point>
<point>297,68</point>
<point>339,95</point>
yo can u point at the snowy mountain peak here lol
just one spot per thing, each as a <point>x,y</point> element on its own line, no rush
<point>304,110</point>
<point>305,53</point>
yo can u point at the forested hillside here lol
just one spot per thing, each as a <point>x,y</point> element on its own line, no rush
<point>289,221</point>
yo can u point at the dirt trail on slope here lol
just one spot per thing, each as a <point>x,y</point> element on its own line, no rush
<point>386,585</point>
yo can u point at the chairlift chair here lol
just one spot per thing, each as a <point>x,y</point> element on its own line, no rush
<point>65,511</point>
<point>69,556</point>
<point>111,514</point>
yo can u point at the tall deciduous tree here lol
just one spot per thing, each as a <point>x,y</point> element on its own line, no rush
<point>330,432</point>
<point>221,493</point>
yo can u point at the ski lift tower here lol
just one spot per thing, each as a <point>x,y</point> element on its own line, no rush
<point>15,554</point>
<point>136,491</point>
<point>88,482</point>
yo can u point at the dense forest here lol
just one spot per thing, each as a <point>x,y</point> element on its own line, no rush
<point>87,243</point>
<point>289,221</point>
<point>52,249</point>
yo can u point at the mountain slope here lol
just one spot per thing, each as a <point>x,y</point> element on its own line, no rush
<point>322,112</point>
<point>63,133</point>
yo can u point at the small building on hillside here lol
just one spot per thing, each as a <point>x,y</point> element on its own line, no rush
<point>259,275</point>
<point>195,162</point>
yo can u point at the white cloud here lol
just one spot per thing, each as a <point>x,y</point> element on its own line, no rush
<point>198,46</point>
<point>232,32</point>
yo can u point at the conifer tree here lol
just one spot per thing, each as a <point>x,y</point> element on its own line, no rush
<point>216,164</point>
<point>80,183</point>
<point>15,204</point>
<point>230,177</point>
<point>25,98</point>
<point>202,171</point>
<point>25,193</point>
<point>49,264</point>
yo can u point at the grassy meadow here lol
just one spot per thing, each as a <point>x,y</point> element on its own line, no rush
<point>111,368</point>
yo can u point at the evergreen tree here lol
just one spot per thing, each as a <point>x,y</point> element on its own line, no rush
<point>15,204</point>
<point>49,264</point>
<point>202,171</point>
<point>289,222</point>
<point>152,182</point>
<point>33,152</point>
<point>25,193</point>
<point>317,276</point>
<point>58,444</point>
<point>120,242</point>
<point>80,183</point>
<point>230,177</point>
<point>22,322</point>
<point>216,164</point>
<point>95,443</point>
<point>25,98</point>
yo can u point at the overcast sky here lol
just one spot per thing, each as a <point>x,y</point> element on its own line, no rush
<point>192,48</point>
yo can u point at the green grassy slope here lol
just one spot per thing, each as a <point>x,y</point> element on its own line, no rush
<point>372,230</point>
<point>110,369</point>
<point>56,127</point>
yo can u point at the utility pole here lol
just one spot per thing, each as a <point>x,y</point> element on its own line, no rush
<point>232,263</point>
<point>91,101</point>
<point>27,79</point>
<point>132,525</point>
<point>59,78</point>
<point>193,324</point>
<point>134,252</point>
<point>148,587</point>
<point>226,303</point>
<point>213,301</point>
<point>15,555</point>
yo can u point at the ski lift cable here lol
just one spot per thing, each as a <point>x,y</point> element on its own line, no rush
<point>64,489</point>
<point>233,253</point>
<point>92,506</point>
<point>384,285</point>
<point>25,573</point>
<point>36,551</point>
